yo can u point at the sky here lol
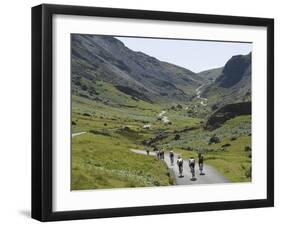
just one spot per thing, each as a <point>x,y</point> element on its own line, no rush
<point>193,55</point>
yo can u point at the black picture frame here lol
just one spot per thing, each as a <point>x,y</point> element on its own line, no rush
<point>42,107</point>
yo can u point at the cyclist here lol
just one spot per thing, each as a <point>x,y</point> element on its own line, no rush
<point>191,163</point>
<point>171,154</point>
<point>158,154</point>
<point>201,163</point>
<point>180,165</point>
<point>162,154</point>
<point>147,151</point>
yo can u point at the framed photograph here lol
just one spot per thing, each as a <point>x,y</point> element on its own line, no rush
<point>146,112</point>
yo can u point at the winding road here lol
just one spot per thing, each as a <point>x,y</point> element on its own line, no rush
<point>198,93</point>
<point>163,118</point>
<point>212,176</point>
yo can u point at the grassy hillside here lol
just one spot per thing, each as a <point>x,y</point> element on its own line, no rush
<point>105,161</point>
<point>101,158</point>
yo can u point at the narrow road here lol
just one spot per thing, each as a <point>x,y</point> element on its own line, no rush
<point>198,89</point>
<point>163,118</point>
<point>77,134</point>
<point>212,176</point>
<point>198,93</point>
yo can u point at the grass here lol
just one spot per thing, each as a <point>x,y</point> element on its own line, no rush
<point>100,161</point>
<point>101,158</point>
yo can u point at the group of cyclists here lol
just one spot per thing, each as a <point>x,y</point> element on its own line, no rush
<point>160,154</point>
<point>191,162</point>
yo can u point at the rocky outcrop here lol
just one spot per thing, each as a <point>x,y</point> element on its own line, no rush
<point>233,85</point>
<point>228,112</point>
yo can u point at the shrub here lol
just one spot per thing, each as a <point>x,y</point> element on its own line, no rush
<point>126,128</point>
<point>179,106</point>
<point>214,139</point>
<point>87,114</point>
<point>225,145</point>
<point>248,148</point>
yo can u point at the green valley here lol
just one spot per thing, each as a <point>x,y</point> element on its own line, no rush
<point>124,100</point>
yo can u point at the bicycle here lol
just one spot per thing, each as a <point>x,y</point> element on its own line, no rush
<point>180,171</point>
<point>201,168</point>
<point>192,170</point>
<point>172,160</point>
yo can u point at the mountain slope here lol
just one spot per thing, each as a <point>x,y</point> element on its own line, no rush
<point>228,112</point>
<point>234,83</point>
<point>211,74</point>
<point>105,58</point>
